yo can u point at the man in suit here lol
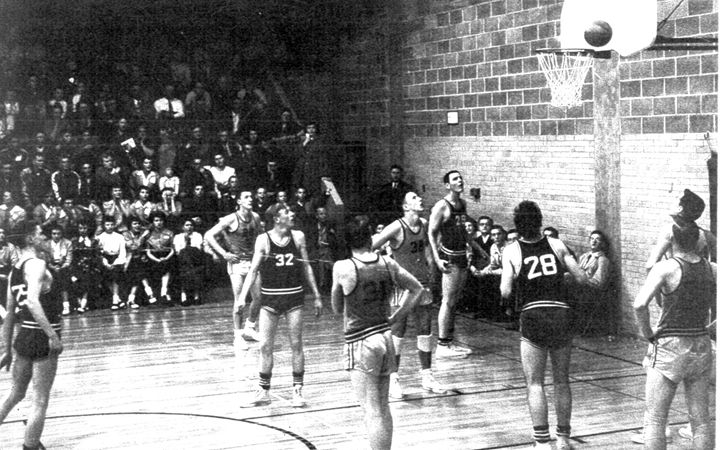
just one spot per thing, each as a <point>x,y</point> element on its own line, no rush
<point>388,198</point>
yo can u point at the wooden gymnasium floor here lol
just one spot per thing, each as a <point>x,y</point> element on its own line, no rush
<point>168,379</point>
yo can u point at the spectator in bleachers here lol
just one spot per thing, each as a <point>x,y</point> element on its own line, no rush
<point>228,148</point>
<point>114,256</point>
<point>78,98</point>
<point>107,119</point>
<point>198,104</point>
<point>228,201</point>
<point>142,208</point>
<point>195,175</point>
<point>146,144</point>
<point>221,174</point>
<point>35,183</point>
<point>60,265</point>
<point>8,258</point>
<point>88,185</point>
<point>145,177</point>
<point>261,202</point>
<point>171,207</point>
<point>12,110</point>
<point>47,211</point>
<point>65,181</point>
<point>70,214</point>
<point>86,266</point>
<point>168,108</point>
<point>83,120</point>
<point>66,146</point>
<point>312,165</point>
<point>166,155</point>
<point>16,155</point>
<point>200,208</point>
<point>109,175</point>
<point>196,147</point>
<point>388,198</point>
<point>58,99</point>
<point>9,179</point>
<point>13,218</point>
<point>169,180</point>
<point>160,252</point>
<point>55,125</point>
<point>235,118</point>
<point>191,262</point>
<point>138,106</point>
<point>136,266</point>
<point>118,207</point>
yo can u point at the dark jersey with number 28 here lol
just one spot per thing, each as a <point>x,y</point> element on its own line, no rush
<point>540,281</point>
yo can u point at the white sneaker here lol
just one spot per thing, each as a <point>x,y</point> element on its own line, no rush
<point>564,444</point>
<point>451,351</point>
<point>249,334</point>
<point>298,401</point>
<point>259,398</point>
<point>639,437</point>
<point>686,432</point>
<point>543,446</point>
<point>396,391</point>
<point>66,311</point>
<point>133,305</point>
<point>240,344</point>
<point>429,383</point>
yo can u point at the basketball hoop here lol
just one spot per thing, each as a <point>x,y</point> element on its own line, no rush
<point>565,70</point>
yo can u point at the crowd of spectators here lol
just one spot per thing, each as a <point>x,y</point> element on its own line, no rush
<point>153,163</point>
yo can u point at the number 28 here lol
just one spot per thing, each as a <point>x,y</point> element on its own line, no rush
<point>545,265</point>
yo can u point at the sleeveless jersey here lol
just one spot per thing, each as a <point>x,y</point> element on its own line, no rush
<point>281,270</point>
<point>685,311</point>
<point>241,238</point>
<point>410,255</point>
<point>540,281</point>
<point>452,231</point>
<point>50,301</point>
<point>366,307</point>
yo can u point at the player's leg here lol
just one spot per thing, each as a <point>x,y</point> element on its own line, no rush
<point>249,331</point>
<point>22,371</point>
<point>423,323</point>
<point>236,282</point>
<point>268,328</point>
<point>560,359</point>
<point>659,393</point>
<point>697,398</point>
<point>372,393</point>
<point>295,325</point>
<point>398,335</point>
<point>44,375</point>
<point>452,284</point>
<point>534,360</point>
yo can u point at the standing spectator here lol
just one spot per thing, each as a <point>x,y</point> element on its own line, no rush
<point>65,181</point>
<point>322,244</point>
<point>388,198</point>
<point>166,152</point>
<point>312,164</point>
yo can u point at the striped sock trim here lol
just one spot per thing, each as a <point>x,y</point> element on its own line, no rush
<point>541,434</point>
<point>298,378</point>
<point>264,380</point>
<point>563,430</point>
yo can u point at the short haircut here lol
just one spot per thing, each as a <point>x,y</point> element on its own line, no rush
<point>155,214</point>
<point>446,177</point>
<point>358,233</point>
<point>528,219</point>
<point>280,207</point>
<point>398,167</point>
<point>488,218</point>
<point>604,242</point>
<point>498,227</point>
<point>553,232</point>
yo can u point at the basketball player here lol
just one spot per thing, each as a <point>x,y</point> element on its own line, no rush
<point>240,229</point>
<point>680,349</point>
<point>37,344</point>
<point>408,240</point>
<point>281,259</point>
<point>537,264</point>
<point>449,244</point>
<point>361,287</point>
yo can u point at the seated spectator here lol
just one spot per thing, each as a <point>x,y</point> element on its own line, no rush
<point>281,199</point>
<point>196,147</point>
<point>169,109</point>
<point>86,265</point>
<point>114,255</point>
<point>191,263</point>
<point>65,181</point>
<point>136,267</point>
<point>9,179</point>
<point>12,110</point>
<point>58,100</point>
<point>15,155</point>
<point>84,121</point>
<point>88,186</point>
<point>142,208</point>
<point>171,207</point>
<point>261,202</point>
<point>109,176</point>
<point>198,103</point>
<point>231,150</point>
<point>592,300</point>
<point>13,218</point>
<point>66,146</point>
<point>196,175</point>
<point>60,263</point>
<point>8,258</point>
<point>55,125</point>
<point>166,155</point>
<point>160,252</point>
<point>169,181</point>
<point>221,174</point>
<point>201,209</point>
<point>491,275</point>
<point>228,200</point>
<point>145,177</point>
<point>118,207</point>
<point>35,183</point>
<point>47,211</point>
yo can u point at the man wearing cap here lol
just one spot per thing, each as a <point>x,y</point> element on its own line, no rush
<point>689,208</point>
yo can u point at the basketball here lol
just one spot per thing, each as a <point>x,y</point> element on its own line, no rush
<point>598,34</point>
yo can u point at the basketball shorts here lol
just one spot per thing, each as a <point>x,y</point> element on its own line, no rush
<point>425,297</point>
<point>459,260</point>
<point>374,355</point>
<point>33,343</point>
<point>548,328</point>
<point>282,304</point>
<point>241,268</point>
<point>680,358</point>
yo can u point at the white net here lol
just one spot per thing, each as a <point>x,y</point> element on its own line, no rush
<point>565,71</point>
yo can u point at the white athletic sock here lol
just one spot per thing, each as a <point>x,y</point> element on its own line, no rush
<point>249,325</point>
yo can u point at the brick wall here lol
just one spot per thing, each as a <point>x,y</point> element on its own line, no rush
<point>477,57</point>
